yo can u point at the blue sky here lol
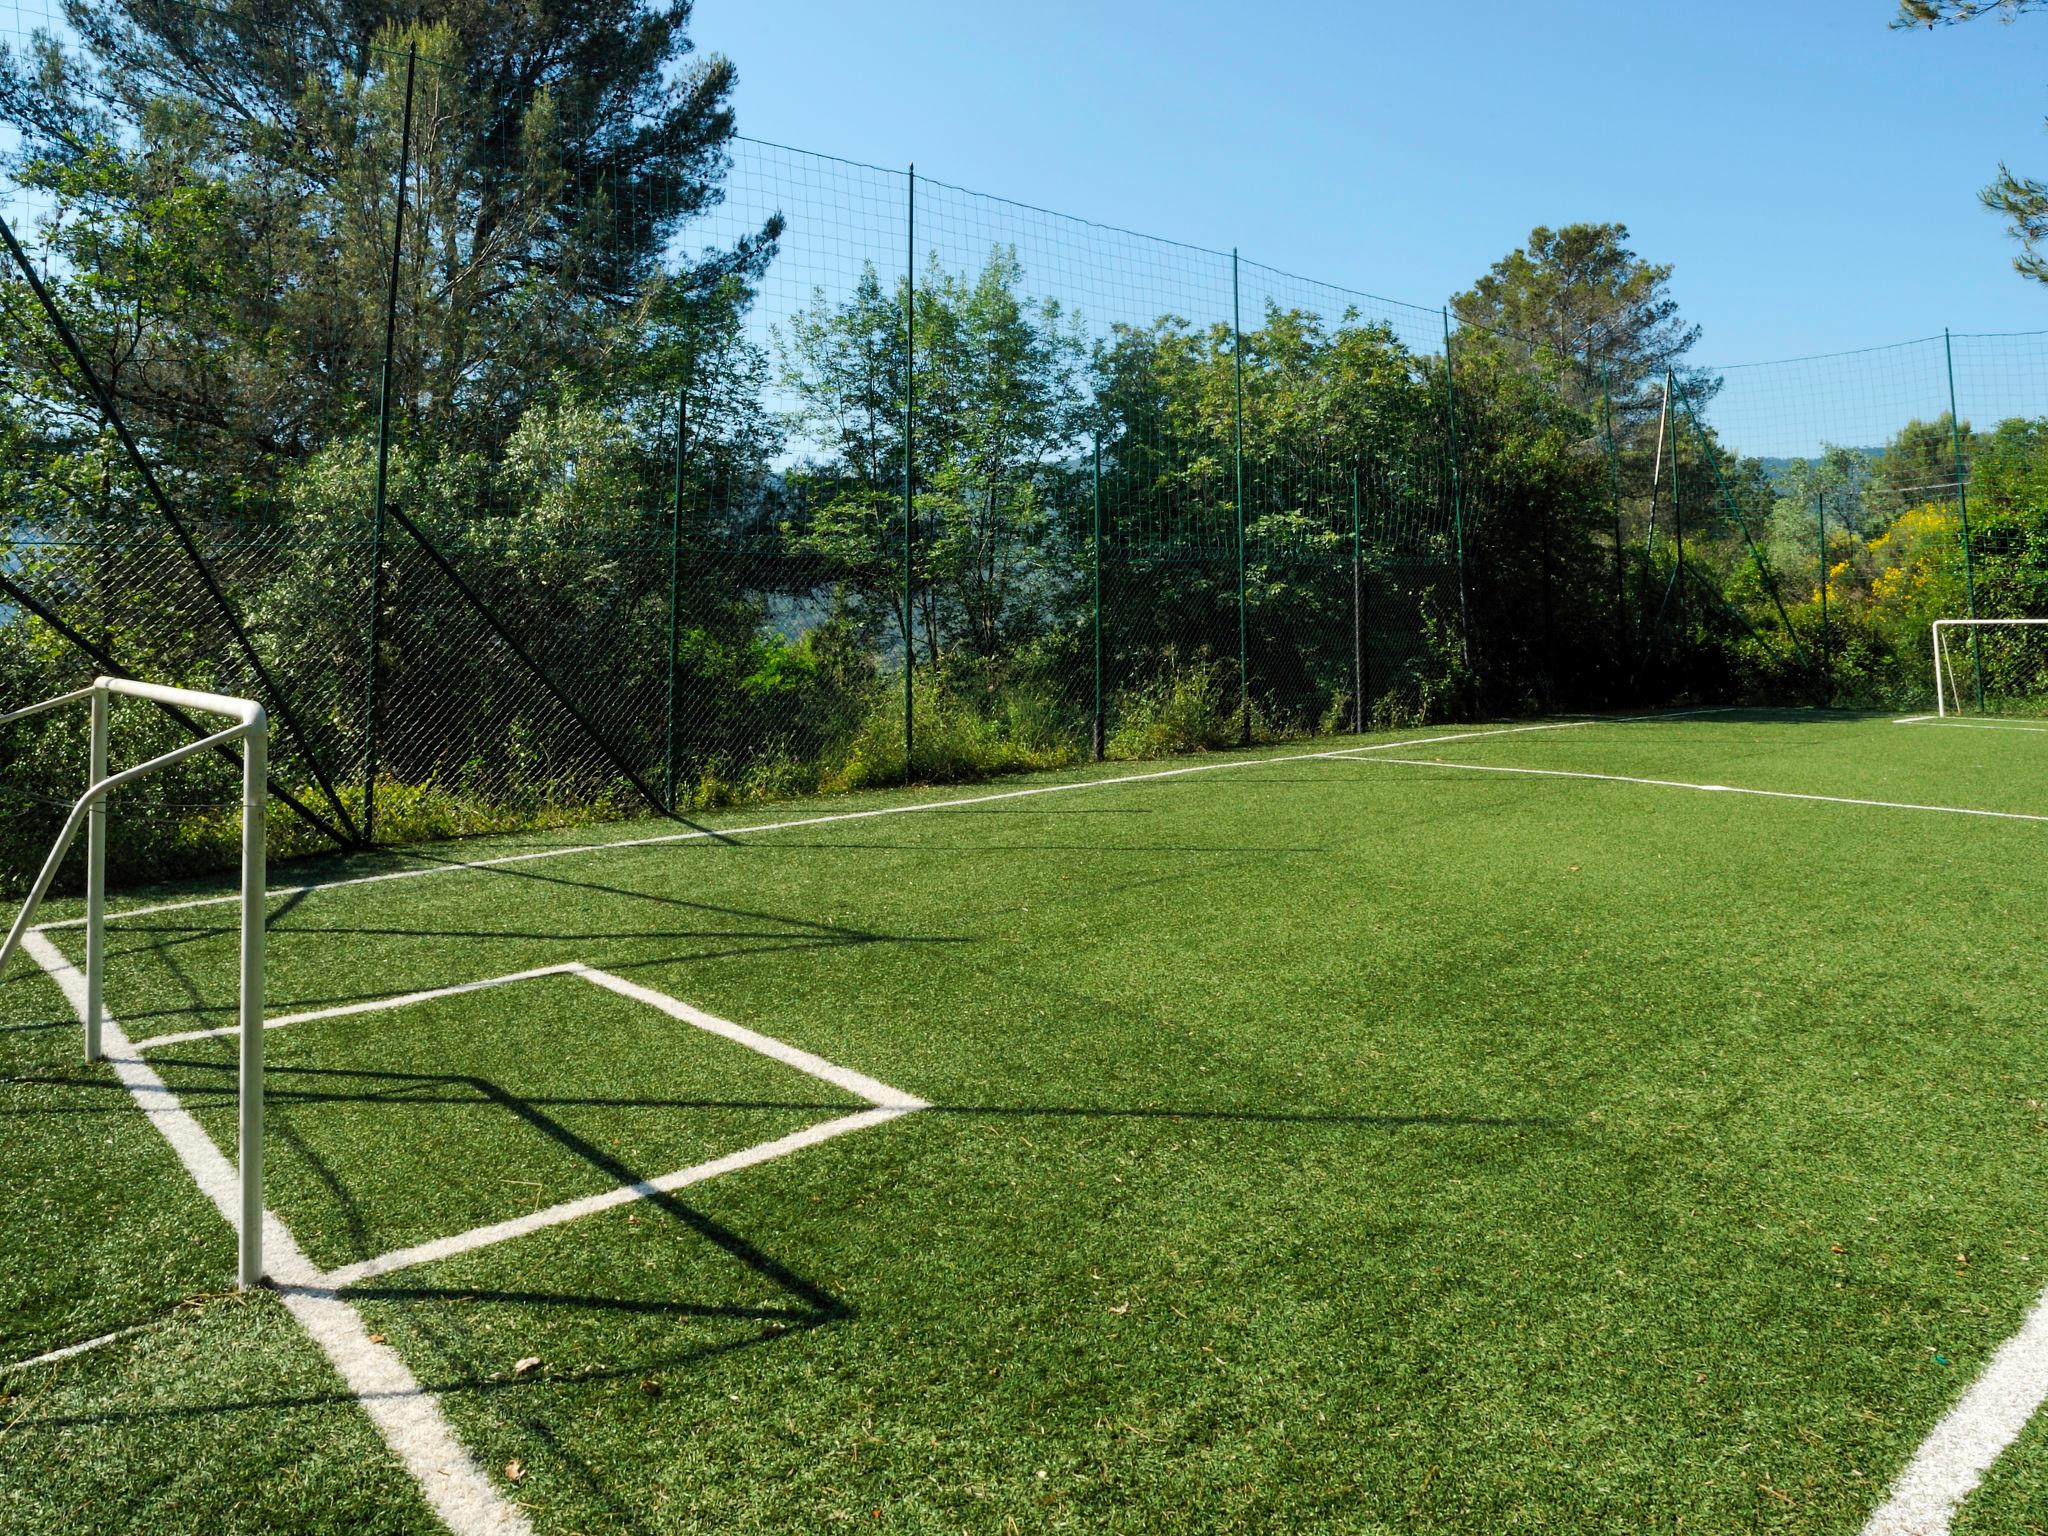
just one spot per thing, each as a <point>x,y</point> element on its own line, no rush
<point>1811,173</point>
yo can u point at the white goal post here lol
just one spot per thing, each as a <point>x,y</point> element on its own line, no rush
<point>1947,690</point>
<point>252,730</point>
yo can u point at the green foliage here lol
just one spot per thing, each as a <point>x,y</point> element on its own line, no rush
<point>954,740</point>
<point>1189,706</point>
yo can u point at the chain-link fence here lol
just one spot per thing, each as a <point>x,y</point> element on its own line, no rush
<point>535,453</point>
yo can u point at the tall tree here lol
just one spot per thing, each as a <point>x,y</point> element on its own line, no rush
<point>219,182</point>
<point>1576,301</point>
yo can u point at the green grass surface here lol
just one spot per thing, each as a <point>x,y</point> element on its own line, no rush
<point>1316,1145</point>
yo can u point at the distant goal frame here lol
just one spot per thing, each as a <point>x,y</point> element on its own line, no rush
<point>1944,674</point>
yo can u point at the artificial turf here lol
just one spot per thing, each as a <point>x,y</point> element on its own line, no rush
<point>1318,1144</point>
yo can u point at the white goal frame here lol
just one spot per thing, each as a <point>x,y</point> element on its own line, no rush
<point>1944,675</point>
<point>252,729</point>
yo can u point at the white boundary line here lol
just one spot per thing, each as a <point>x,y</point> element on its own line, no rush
<point>1715,789</point>
<point>1972,725</point>
<point>621,1194</point>
<point>1959,1450</point>
<point>408,1417</point>
<point>1999,1405</point>
<point>455,867</point>
<point>405,1413</point>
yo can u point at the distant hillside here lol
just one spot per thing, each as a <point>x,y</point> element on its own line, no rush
<point>1780,469</point>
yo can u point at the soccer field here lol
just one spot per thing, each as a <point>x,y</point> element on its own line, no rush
<point>1588,1125</point>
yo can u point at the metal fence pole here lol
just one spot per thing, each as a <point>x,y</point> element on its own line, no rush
<point>1614,501</point>
<point>1096,562</point>
<point>1244,679</point>
<point>1457,498</point>
<point>1677,528</point>
<point>909,402</point>
<point>1357,616</point>
<point>1955,430</point>
<point>1820,517</point>
<point>370,702</point>
<point>675,561</point>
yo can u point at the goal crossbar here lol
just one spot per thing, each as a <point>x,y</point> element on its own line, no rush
<point>251,728</point>
<point>1944,674</point>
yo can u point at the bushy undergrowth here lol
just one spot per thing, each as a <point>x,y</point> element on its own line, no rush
<point>1190,706</point>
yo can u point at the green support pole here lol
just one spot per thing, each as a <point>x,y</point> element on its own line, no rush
<point>1095,544</point>
<point>675,561</point>
<point>1614,502</point>
<point>384,462</point>
<point>1677,527</point>
<point>1357,616</point>
<point>909,403</point>
<point>1820,517</point>
<point>1457,498</point>
<point>1955,430</point>
<point>1244,677</point>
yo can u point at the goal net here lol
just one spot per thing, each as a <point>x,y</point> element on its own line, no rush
<point>1991,666</point>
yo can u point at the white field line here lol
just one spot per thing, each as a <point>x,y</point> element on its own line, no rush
<point>1997,1408</point>
<point>407,1416</point>
<point>622,1194</point>
<point>1715,789</point>
<point>1986,1419</point>
<point>859,1084</point>
<point>1972,725</point>
<point>887,1102</point>
<point>454,867</point>
<point>374,1005</point>
<point>69,1350</point>
<point>877,1093</point>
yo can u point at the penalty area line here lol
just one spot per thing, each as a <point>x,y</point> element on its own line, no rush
<point>1960,1449</point>
<point>1713,789</point>
<point>1973,725</point>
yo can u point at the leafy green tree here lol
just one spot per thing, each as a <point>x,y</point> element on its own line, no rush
<point>1918,466</point>
<point>996,424</point>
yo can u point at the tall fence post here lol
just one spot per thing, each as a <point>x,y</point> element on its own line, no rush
<point>909,404</point>
<point>1457,499</point>
<point>370,700</point>
<point>1244,675</point>
<point>1095,548</point>
<point>1820,517</point>
<point>1677,522</point>
<point>1614,502</point>
<point>675,562</point>
<point>1955,432</point>
<point>1357,616</point>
